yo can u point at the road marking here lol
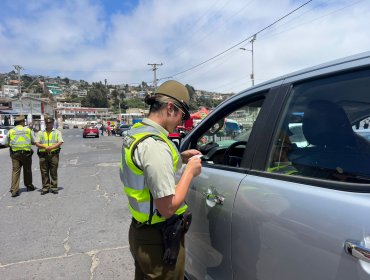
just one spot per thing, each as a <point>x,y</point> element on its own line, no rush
<point>73,161</point>
<point>94,262</point>
<point>89,253</point>
<point>66,246</point>
<point>108,164</point>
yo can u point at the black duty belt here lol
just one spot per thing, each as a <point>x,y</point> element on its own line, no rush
<point>48,153</point>
<point>140,225</point>
<point>21,152</point>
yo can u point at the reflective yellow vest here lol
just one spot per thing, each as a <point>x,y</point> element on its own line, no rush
<point>20,138</point>
<point>48,140</point>
<point>132,176</point>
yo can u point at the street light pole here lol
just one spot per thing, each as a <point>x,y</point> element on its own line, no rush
<point>244,49</point>
<point>19,68</point>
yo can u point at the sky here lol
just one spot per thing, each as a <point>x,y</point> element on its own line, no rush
<point>197,41</point>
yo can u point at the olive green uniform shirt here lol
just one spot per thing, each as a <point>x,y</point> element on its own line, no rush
<point>154,157</point>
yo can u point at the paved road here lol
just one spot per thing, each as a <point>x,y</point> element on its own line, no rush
<point>80,233</point>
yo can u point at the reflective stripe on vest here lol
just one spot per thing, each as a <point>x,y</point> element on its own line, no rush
<point>132,176</point>
<point>283,168</point>
<point>48,140</point>
<point>20,138</point>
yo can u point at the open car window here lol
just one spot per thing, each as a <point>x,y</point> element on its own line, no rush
<point>225,141</point>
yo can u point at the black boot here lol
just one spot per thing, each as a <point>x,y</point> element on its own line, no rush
<point>31,188</point>
<point>15,194</point>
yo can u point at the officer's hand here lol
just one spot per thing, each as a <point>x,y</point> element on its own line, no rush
<point>186,155</point>
<point>194,165</point>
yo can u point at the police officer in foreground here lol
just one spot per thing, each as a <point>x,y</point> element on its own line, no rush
<point>48,142</point>
<point>148,167</point>
<point>20,140</point>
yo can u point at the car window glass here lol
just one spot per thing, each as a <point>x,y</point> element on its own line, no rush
<point>225,141</point>
<point>323,132</point>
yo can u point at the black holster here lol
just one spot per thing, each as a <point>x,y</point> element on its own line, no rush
<point>172,232</point>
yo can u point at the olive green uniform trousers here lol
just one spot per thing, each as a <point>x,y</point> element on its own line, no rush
<point>20,159</point>
<point>146,247</point>
<point>49,171</point>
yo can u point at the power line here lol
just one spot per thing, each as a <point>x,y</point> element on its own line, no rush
<point>210,32</point>
<point>271,34</point>
<point>241,42</point>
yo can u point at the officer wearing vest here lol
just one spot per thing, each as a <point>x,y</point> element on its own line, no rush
<point>149,164</point>
<point>20,140</point>
<point>48,142</point>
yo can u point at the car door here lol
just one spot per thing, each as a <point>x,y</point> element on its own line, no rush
<point>304,212</point>
<point>212,194</point>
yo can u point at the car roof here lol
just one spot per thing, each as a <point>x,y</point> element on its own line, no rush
<point>338,65</point>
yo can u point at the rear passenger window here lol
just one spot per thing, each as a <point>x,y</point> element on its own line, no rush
<point>324,131</point>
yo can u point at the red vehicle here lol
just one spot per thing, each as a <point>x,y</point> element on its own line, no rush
<point>90,131</point>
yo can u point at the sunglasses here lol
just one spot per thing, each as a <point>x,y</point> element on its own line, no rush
<point>182,112</point>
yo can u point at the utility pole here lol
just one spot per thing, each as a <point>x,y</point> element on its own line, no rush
<point>244,49</point>
<point>154,68</point>
<point>19,68</point>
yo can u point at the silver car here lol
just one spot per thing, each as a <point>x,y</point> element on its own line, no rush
<point>289,198</point>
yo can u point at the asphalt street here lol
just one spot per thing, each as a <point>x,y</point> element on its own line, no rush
<point>80,233</point>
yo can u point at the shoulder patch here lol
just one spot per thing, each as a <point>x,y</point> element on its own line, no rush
<point>127,141</point>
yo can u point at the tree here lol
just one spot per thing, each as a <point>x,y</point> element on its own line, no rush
<point>96,97</point>
<point>193,101</point>
<point>144,85</point>
<point>135,103</point>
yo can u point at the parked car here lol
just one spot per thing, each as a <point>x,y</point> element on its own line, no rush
<point>3,133</point>
<point>123,128</point>
<point>291,198</point>
<point>90,131</point>
<point>65,126</point>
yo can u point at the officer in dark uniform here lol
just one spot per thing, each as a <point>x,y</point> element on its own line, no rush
<point>48,142</point>
<point>20,140</point>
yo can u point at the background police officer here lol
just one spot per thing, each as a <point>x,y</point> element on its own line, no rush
<point>148,169</point>
<point>48,142</point>
<point>20,140</point>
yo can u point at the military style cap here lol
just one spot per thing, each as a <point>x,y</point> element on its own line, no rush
<point>178,92</point>
<point>49,120</point>
<point>19,118</point>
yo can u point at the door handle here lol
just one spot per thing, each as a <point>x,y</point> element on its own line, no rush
<point>357,250</point>
<point>218,199</point>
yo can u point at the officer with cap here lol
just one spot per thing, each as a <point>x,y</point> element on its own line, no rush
<point>149,164</point>
<point>48,142</point>
<point>20,140</point>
